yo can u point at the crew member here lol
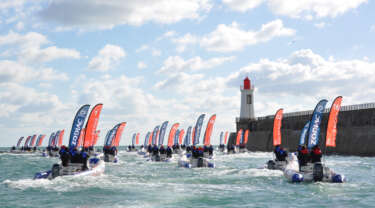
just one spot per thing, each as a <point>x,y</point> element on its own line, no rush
<point>303,156</point>
<point>316,154</point>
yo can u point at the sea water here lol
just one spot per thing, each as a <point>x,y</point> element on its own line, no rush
<point>237,181</point>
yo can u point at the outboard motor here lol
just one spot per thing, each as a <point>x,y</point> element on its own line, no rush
<point>318,172</point>
<point>55,170</point>
<point>157,157</point>
<point>200,162</point>
<point>106,158</point>
<point>271,165</point>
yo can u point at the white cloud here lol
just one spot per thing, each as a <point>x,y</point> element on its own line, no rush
<point>20,26</point>
<point>107,58</point>
<point>310,9</point>
<point>167,34</point>
<point>175,64</point>
<point>141,65</point>
<point>170,33</point>
<point>142,48</point>
<point>27,48</point>
<point>306,9</point>
<point>156,52</point>
<point>11,71</point>
<point>107,14</point>
<point>320,25</point>
<point>184,41</point>
<point>232,38</point>
<point>304,77</point>
<point>242,5</point>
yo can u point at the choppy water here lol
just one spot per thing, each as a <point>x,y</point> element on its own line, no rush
<point>237,181</point>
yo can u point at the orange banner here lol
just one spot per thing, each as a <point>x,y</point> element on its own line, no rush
<point>172,133</point>
<point>226,137</point>
<point>332,122</point>
<point>238,139</point>
<point>91,125</point>
<point>137,139</point>
<point>150,138</point>
<point>209,128</point>
<point>277,127</point>
<point>192,137</point>
<point>41,140</point>
<point>246,136</point>
<point>81,136</point>
<point>97,133</point>
<point>61,137</point>
<point>116,140</point>
<point>180,136</point>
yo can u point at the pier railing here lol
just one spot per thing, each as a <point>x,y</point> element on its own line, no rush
<point>309,112</point>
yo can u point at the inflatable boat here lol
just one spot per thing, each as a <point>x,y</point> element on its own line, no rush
<point>312,172</point>
<point>95,167</point>
<point>187,161</point>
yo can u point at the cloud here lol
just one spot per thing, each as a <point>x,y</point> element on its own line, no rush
<point>107,14</point>
<point>184,41</point>
<point>20,26</point>
<point>107,58</point>
<point>320,25</point>
<point>229,38</point>
<point>308,9</point>
<point>27,48</point>
<point>175,64</point>
<point>242,5</point>
<point>372,28</point>
<point>11,71</point>
<point>304,77</point>
<point>141,65</point>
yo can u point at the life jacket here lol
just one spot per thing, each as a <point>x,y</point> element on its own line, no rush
<point>317,151</point>
<point>304,151</point>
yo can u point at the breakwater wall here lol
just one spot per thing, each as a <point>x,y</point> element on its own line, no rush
<point>355,132</point>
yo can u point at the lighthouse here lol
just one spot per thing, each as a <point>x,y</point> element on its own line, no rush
<point>247,100</point>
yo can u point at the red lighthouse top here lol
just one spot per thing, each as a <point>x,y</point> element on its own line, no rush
<point>246,83</point>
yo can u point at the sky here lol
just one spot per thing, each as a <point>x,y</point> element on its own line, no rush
<point>149,61</point>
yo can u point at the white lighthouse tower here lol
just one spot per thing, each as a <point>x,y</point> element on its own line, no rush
<point>247,100</point>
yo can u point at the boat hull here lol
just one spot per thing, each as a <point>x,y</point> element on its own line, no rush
<point>96,167</point>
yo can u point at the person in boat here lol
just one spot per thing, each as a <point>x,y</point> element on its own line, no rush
<point>195,152</point>
<point>129,147</point>
<point>13,148</point>
<point>169,152</point>
<point>188,149</point>
<point>200,151</point>
<point>205,148</point>
<point>149,149</point>
<point>303,155</point>
<point>316,154</point>
<point>113,150</point>
<point>155,150</point>
<point>162,149</point>
<point>210,150</point>
<point>233,148</point>
<point>280,153</point>
<point>74,156</point>
<point>83,158</point>
<point>64,155</point>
